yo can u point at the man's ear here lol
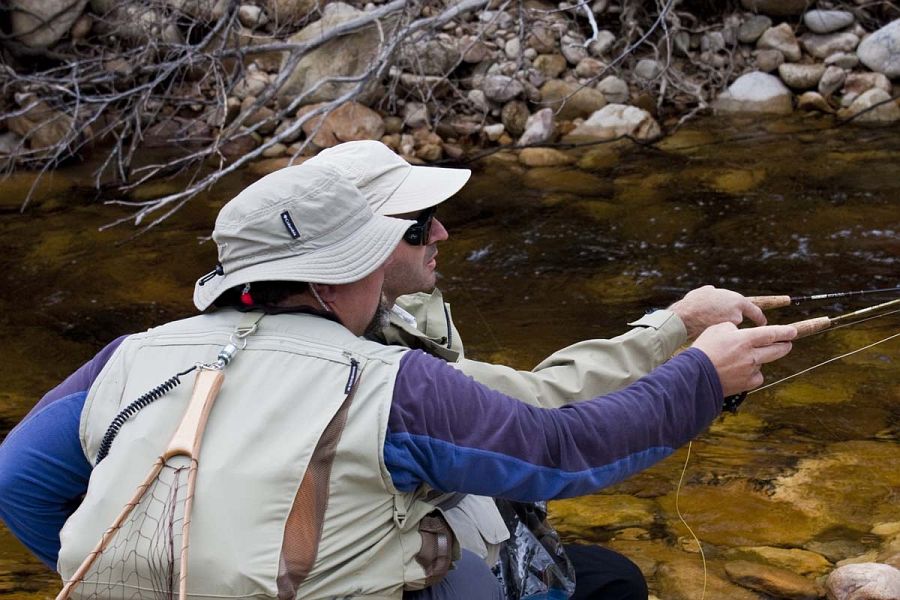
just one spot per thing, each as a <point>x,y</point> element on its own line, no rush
<point>327,292</point>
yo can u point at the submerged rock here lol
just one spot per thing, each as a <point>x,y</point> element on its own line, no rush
<point>864,581</point>
<point>873,106</point>
<point>544,157</point>
<point>618,120</point>
<point>772,581</point>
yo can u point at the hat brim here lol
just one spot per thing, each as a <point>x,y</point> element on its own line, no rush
<point>338,263</point>
<point>424,187</point>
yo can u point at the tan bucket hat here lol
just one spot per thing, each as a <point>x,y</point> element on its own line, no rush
<point>303,223</point>
<point>391,185</point>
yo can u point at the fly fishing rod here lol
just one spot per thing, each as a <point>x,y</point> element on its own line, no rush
<point>766,302</point>
<point>811,326</point>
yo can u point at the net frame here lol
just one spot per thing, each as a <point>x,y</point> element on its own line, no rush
<point>185,442</point>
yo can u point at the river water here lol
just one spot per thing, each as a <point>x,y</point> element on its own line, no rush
<point>804,476</point>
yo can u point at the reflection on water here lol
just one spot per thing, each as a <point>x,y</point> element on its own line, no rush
<point>538,259</point>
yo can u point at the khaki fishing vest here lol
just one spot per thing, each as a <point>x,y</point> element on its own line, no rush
<point>284,416</point>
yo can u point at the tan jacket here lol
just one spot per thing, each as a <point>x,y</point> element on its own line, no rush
<point>578,372</point>
<point>257,531</point>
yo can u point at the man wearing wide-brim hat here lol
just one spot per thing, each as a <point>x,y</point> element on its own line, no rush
<point>323,448</point>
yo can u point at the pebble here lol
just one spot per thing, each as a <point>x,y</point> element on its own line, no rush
<point>828,21</point>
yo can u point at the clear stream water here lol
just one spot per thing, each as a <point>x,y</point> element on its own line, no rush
<point>545,257</point>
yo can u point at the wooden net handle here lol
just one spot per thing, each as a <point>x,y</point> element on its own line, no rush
<point>811,326</point>
<point>767,302</point>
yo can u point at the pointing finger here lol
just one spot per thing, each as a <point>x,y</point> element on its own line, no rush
<point>772,352</point>
<point>769,334</point>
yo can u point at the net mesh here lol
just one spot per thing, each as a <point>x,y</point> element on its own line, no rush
<point>143,557</point>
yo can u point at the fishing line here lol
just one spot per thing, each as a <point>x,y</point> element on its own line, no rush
<point>681,517</point>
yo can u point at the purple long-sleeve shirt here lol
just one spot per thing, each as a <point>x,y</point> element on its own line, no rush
<point>444,429</point>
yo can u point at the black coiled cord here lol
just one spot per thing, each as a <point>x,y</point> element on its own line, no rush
<point>129,411</point>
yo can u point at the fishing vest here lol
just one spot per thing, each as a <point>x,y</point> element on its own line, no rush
<point>293,499</point>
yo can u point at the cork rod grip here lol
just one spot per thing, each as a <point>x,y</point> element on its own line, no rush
<point>767,302</point>
<point>811,326</point>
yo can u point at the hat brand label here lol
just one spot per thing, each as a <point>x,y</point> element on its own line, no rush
<point>289,224</point>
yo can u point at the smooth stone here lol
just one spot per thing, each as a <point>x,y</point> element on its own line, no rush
<point>832,80</point>
<point>42,24</point>
<point>813,101</point>
<point>864,581</point>
<point>887,111</point>
<point>648,69</point>
<point>752,28</point>
<point>781,38</point>
<point>617,120</point>
<point>540,128</point>
<point>844,60</point>
<point>478,101</point>
<point>544,157</point>
<point>796,560</point>
<point>10,143</point>
<point>349,121</point>
<point>603,42</point>
<point>493,132</point>
<point>571,100</point>
<point>514,117</point>
<point>801,77</point>
<point>415,114</point>
<point>881,50</point>
<point>513,48</point>
<point>590,68</point>
<point>550,65</point>
<point>827,21</point>
<point>860,82</point>
<point>755,92</point>
<point>573,49</point>
<point>823,46</point>
<point>614,89</point>
<point>501,88</point>
<point>768,60</point>
<point>251,16</point>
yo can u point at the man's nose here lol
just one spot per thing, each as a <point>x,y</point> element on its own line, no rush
<point>438,232</point>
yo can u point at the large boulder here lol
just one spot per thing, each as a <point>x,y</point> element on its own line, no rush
<point>346,56</point>
<point>42,24</point>
<point>618,120</point>
<point>755,92</point>
<point>881,50</point>
<point>772,581</point>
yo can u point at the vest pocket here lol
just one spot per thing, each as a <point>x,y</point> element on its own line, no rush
<point>436,553</point>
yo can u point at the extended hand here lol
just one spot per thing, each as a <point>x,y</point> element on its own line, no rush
<point>738,354</point>
<point>709,305</point>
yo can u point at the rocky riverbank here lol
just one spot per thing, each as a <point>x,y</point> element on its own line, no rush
<point>493,73</point>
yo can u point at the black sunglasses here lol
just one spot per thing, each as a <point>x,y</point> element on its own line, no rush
<point>419,232</point>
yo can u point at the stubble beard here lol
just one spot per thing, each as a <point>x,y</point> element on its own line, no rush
<point>379,321</point>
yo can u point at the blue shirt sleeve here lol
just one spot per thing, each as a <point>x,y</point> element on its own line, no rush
<point>43,475</point>
<point>43,470</point>
<point>454,434</point>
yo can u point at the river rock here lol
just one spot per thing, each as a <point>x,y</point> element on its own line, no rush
<point>780,38</point>
<point>802,562</point>
<point>253,84</point>
<point>41,126</point>
<point>768,60</point>
<point>832,80</point>
<point>887,111</point>
<point>251,16</point>
<point>42,24</point>
<point>827,21</point>
<point>263,116</point>
<point>864,581</point>
<point>550,65</point>
<point>823,46</point>
<point>427,145</point>
<point>346,56</point>
<point>618,120</point>
<point>543,38</point>
<point>573,49</point>
<point>772,581</point>
<point>430,57</point>
<point>857,83</point>
<point>777,8</point>
<point>241,144</point>
<point>571,100</point>
<point>752,28</point>
<point>602,43</point>
<point>473,49</point>
<point>648,69</point>
<point>590,68</point>
<point>544,157</point>
<point>82,27</point>
<point>494,131</point>
<point>539,129</point>
<point>478,101</point>
<point>615,90</point>
<point>755,92</point>
<point>10,143</point>
<point>881,50</point>
<point>500,88</point>
<point>512,48</point>
<point>348,122</point>
<point>415,115</point>
<point>844,60</point>
<point>515,116</point>
<point>801,77</point>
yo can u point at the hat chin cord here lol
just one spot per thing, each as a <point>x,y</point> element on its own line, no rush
<point>312,288</point>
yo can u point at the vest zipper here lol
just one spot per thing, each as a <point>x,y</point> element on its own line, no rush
<point>354,371</point>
